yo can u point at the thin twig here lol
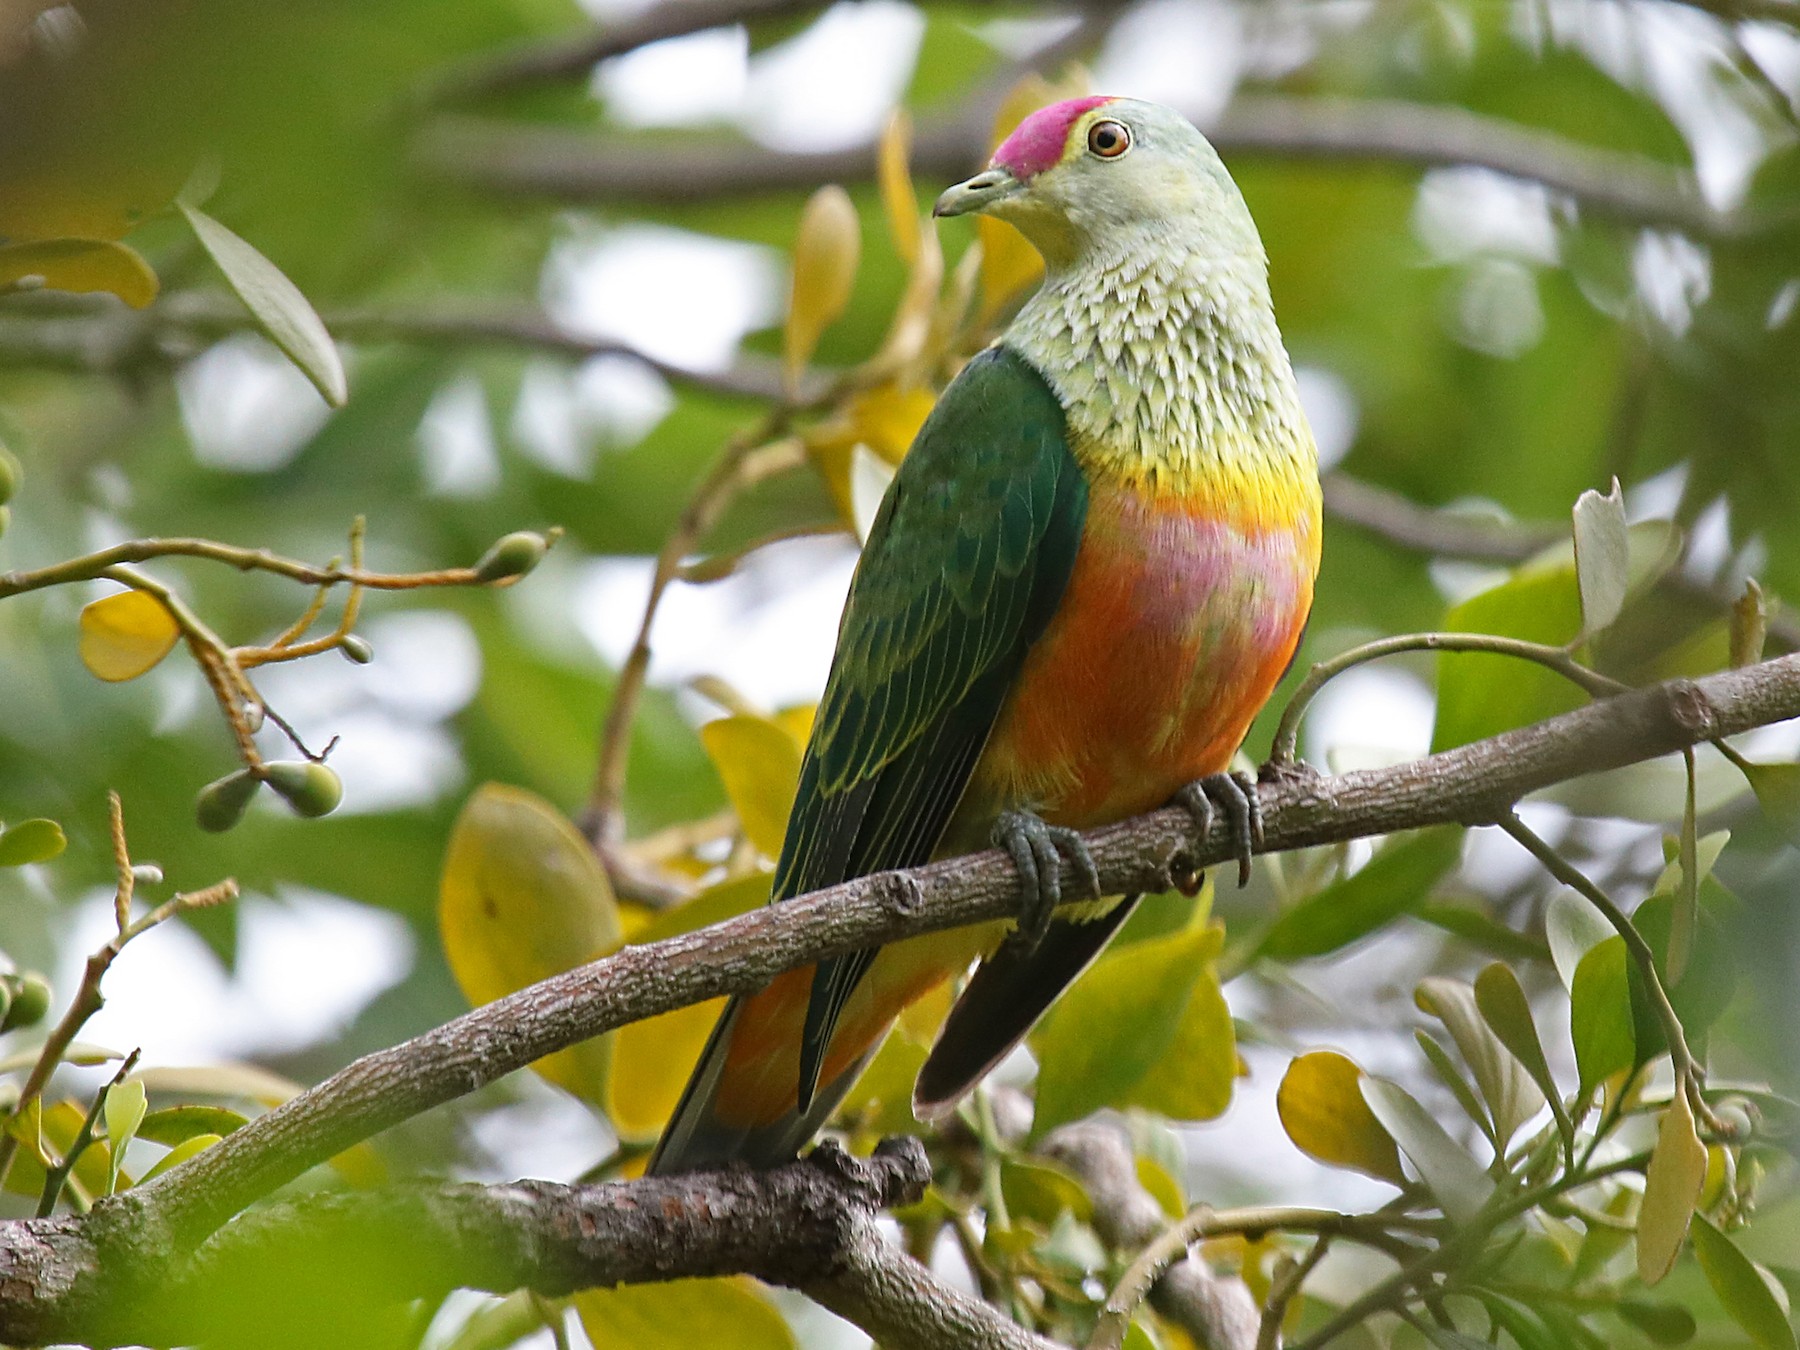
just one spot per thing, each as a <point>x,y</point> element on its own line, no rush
<point>1681,1059</point>
<point>748,459</point>
<point>1287,730</point>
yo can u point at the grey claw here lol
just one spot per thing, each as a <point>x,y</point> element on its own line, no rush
<point>1038,850</point>
<point>1235,794</point>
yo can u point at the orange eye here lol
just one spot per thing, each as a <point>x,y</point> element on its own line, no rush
<point>1108,140</point>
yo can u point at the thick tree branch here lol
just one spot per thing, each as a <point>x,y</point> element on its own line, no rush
<point>576,166</point>
<point>321,1263</point>
<point>1473,784</point>
<point>1218,1312</point>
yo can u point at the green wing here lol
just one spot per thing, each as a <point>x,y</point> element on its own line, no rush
<point>965,564</point>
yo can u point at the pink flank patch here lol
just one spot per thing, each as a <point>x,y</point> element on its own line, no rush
<point>1039,141</point>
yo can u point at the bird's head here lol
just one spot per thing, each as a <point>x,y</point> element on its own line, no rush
<point>1092,171</point>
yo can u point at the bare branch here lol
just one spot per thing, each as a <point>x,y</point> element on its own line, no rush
<point>1472,784</point>
<point>336,1255</point>
<point>575,55</point>
<point>576,166</point>
<point>1217,1312</point>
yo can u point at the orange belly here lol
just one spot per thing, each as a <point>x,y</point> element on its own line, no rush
<point>1171,635</point>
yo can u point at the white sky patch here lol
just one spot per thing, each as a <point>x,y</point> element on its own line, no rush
<point>1673,276</point>
<point>1020,36</point>
<point>1496,309</point>
<point>1679,57</point>
<point>1331,411</point>
<point>393,750</point>
<point>245,405</point>
<point>1188,55</point>
<point>681,82</point>
<point>833,85</point>
<point>769,629</point>
<point>1777,51</point>
<point>456,441</point>
<point>681,297</point>
<point>561,417</point>
<point>307,963</point>
<point>1464,213</point>
<point>1377,714</point>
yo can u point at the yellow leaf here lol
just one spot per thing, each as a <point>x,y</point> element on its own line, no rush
<point>91,196</point>
<point>81,265</point>
<point>759,763</point>
<point>1671,1187</point>
<point>881,1100</point>
<point>124,635</point>
<point>797,721</point>
<point>651,1059</point>
<point>1194,1078</point>
<point>1163,1187</point>
<point>887,418</point>
<point>523,898</point>
<point>897,197</point>
<point>680,1314</point>
<point>826,252</point>
<point>1322,1109</point>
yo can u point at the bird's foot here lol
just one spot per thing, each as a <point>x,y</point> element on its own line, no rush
<point>1235,794</point>
<point>1038,849</point>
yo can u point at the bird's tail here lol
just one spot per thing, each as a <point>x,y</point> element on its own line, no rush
<point>742,1102</point>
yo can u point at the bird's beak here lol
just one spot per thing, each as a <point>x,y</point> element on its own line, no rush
<point>978,193</point>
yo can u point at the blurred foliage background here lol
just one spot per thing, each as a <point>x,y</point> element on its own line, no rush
<point>1518,249</point>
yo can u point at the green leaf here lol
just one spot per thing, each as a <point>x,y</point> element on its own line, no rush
<point>1458,1181</point>
<point>1452,1078</point>
<point>31,841</point>
<point>1111,1029</point>
<point>276,303</point>
<point>1664,1323</point>
<point>1194,1077</point>
<point>1501,999</point>
<point>1573,928</point>
<point>1755,1299</point>
<point>1600,1014</point>
<point>1482,931</point>
<point>1686,914</point>
<point>1042,1191</point>
<point>1671,1188</point>
<point>176,1156</point>
<point>175,1125</point>
<point>1511,1095</point>
<point>1395,881</point>
<point>1602,562</point>
<point>680,1314</point>
<point>123,1111</point>
<point>1480,695</point>
<point>1777,789</point>
<point>1321,1106</point>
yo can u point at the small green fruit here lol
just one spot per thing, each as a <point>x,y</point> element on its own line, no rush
<point>357,650</point>
<point>311,789</point>
<point>10,474</point>
<point>30,1001</point>
<point>221,803</point>
<point>512,557</point>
